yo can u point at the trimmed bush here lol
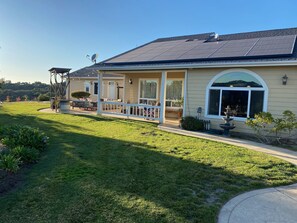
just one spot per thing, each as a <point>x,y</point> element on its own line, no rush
<point>43,97</point>
<point>18,135</point>
<point>26,155</point>
<point>9,163</point>
<point>192,124</point>
<point>80,94</point>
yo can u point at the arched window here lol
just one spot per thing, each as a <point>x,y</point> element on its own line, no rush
<point>244,91</point>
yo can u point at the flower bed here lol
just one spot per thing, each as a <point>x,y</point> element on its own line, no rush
<point>20,145</point>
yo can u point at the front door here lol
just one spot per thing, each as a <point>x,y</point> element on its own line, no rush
<point>111,90</point>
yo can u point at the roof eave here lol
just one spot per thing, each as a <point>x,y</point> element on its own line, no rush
<point>194,65</point>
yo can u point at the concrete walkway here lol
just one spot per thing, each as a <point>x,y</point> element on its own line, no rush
<point>271,205</point>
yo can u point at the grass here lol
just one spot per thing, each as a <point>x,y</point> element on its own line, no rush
<point>100,169</point>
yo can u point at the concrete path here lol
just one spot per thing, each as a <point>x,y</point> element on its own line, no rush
<point>271,205</point>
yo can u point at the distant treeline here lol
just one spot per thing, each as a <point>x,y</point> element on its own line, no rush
<point>23,91</point>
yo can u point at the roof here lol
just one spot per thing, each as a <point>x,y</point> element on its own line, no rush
<point>88,72</point>
<point>201,49</point>
<point>59,70</point>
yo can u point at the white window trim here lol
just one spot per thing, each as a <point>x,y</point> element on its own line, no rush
<point>209,87</point>
<point>157,93</point>
<point>175,79</point>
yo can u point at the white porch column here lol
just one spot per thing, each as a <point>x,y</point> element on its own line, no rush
<point>124,89</point>
<point>163,96</point>
<point>185,93</point>
<point>99,93</point>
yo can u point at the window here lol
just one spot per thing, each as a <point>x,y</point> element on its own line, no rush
<point>174,93</point>
<point>236,79</point>
<point>96,88</point>
<point>148,91</point>
<point>243,91</point>
<point>87,86</point>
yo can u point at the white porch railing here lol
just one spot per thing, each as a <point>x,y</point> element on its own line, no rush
<point>149,112</point>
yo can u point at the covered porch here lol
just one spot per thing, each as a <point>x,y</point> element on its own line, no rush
<point>150,95</point>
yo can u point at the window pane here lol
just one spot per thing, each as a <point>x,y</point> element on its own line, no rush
<point>96,88</point>
<point>237,100</point>
<point>214,102</point>
<point>148,89</point>
<point>257,101</point>
<point>237,79</point>
<point>174,89</point>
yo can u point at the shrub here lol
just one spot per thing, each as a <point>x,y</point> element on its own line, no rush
<point>262,125</point>
<point>26,154</point>
<point>18,135</point>
<point>80,94</point>
<point>273,130</point>
<point>43,97</point>
<point>192,124</point>
<point>9,163</point>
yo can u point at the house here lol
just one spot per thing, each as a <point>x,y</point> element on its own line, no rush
<point>87,80</point>
<point>202,74</point>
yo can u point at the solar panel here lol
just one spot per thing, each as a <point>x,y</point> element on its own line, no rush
<point>198,49</point>
<point>273,46</point>
<point>236,48</point>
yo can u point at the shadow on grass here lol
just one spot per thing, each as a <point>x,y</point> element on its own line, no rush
<point>83,178</point>
<point>138,123</point>
<point>94,117</point>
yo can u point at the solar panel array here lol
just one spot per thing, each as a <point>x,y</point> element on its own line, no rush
<point>186,49</point>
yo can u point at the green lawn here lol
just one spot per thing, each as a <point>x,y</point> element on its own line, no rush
<point>100,169</point>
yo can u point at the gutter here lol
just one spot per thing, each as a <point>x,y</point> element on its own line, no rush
<point>92,78</point>
<point>196,66</point>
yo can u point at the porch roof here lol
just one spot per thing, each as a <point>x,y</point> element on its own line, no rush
<point>88,72</point>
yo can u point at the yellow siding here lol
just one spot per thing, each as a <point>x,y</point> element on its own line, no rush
<point>280,97</point>
<point>79,85</point>
<point>132,90</point>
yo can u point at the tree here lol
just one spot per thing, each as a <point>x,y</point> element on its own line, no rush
<point>43,97</point>
<point>24,90</point>
<point>1,83</point>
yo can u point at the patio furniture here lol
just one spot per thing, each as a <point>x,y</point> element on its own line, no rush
<point>177,111</point>
<point>78,104</point>
<point>91,106</point>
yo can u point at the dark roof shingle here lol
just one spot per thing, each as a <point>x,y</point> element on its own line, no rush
<point>88,72</point>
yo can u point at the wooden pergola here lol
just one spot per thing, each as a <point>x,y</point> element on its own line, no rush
<point>59,81</point>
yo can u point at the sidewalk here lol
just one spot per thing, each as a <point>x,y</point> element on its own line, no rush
<point>273,205</point>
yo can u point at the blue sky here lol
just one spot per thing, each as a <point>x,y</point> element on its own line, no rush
<point>36,35</point>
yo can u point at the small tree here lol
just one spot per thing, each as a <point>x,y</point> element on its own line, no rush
<point>80,94</point>
<point>287,123</point>
<point>8,99</point>
<point>261,124</point>
<point>25,98</point>
<point>273,130</point>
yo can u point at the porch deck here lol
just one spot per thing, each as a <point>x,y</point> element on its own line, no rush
<point>170,122</point>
